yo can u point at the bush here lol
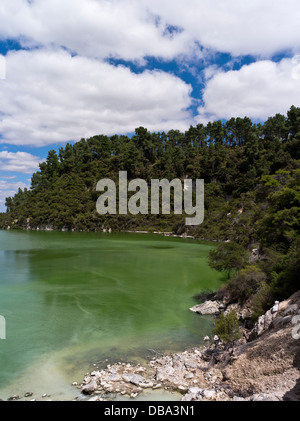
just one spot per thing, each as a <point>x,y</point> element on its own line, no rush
<point>227,257</point>
<point>261,301</point>
<point>245,283</point>
<point>227,327</point>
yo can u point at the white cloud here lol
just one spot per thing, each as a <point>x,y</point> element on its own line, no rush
<point>239,27</point>
<point>9,177</point>
<point>258,90</point>
<point>22,162</point>
<point>50,96</point>
<point>96,28</point>
<point>134,29</point>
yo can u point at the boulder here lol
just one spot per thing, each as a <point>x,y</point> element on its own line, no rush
<point>275,307</point>
<point>135,379</point>
<point>90,388</point>
<point>208,307</point>
<point>193,394</point>
<point>291,310</point>
<point>114,378</point>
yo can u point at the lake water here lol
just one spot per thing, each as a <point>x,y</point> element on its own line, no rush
<point>71,300</point>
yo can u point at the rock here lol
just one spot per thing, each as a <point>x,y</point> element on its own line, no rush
<point>216,338</point>
<point>238,399</point>
<point>193,394</point>
<point>275,307</point>
<point>280,322</point>
<point>291,310</point>
<point>96,374</point>
<point>74,384</point>
<point>164,373</point>
<point>14,398</point>
<point>133,395</point>
<point>146,385</point>
<point>206,338</point>
<point>93,399</point>
<point>28,394</point>
<point>209,394</point>
<point>157,386</point>
<point>190,364</point>
<point>208,307</point>
<point>90,388</point>
<point>260,397</point>
<point>189,376</point>
<point>114,378</point>
<point>135,379</point>
<point>214,375</point>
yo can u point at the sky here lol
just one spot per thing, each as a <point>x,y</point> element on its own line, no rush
<point>71,69</point>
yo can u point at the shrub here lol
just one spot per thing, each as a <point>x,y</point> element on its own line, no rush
<point>227,327</point>
<point>261,301</point>
<point>245,283</point>
<point>227,257</point>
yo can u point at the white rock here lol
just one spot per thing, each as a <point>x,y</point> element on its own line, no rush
<point>209,394</point>
<point>90,387</point>
<point>146,385</point>
<point>135,379</point>
<point>208,307</point>
<point>133,395</point>
<point>275,307</point>
<point>93,399</point>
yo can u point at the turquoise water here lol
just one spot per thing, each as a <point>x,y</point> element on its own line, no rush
<point>73,299</point>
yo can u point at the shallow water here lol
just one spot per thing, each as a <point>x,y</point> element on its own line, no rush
<point>74,299</point>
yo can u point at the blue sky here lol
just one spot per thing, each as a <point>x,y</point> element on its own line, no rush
<point>75,68</point>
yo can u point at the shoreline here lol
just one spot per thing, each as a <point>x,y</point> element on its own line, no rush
<point>266,368</point>
<point>264,365</point>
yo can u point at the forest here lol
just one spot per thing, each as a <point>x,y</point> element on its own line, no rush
<point>252,194</point>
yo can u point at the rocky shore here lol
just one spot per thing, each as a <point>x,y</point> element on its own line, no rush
<point>264,365</point>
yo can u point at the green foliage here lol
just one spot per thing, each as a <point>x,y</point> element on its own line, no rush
<point>227,327</point>
<point>246,283</point>
<point>227,257</point>
<point>252,193</point>
<point>262,300</point>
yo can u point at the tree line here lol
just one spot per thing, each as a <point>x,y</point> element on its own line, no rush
<point>252,194</point>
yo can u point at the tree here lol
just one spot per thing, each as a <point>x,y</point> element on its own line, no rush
<point>227,257</point>
<point>227,327</point>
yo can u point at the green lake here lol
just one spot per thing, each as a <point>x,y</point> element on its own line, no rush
<point>71,300</point>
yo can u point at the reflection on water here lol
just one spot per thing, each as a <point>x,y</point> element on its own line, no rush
<point>75,298</point>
